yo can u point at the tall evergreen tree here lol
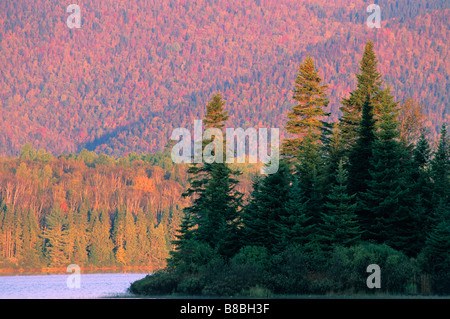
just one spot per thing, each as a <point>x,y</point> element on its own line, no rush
<point>333,154</point>
<point>361,152</point>
<point>309,171</point>
<point>56,238</point>
<point>340,225</point>
<point>267,213</point>
<point>30,241</point>
<point>368,83</point>
<point>182,243</point>
<point>437,251</point>
<point>299,225</point>
<point>307,116</point>
<point>100,246</point>
<point>422,189</point>
<point>440,169</point>
<point>219,217</point>
<point>387,201</point>
<point>214,212</point>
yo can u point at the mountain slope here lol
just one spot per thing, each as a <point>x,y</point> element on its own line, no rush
<point>137,69</point>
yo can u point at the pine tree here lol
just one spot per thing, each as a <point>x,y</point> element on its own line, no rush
<point>437,252</point>
<point>118,236</point>
<point>55,235</point>
<point>214,211</point>
<point>440,169</point>
<point>218,222</point>
<point>77,223</point>
<point>130,237</point>
<point>422,189</point>
<point>333,154</point>
<point>368,83</point>
<point>100,246</point>
<point>339,220</point>
<point>30,241</point>
<point>309,171</point>
<point>7,229</point>
<point>184,238</point>
<point>387,202</point>
<point>266,214</point>
<point>361,153</point>
<point>298,224</point>
<point>143,244</point>
<point>306,117</point>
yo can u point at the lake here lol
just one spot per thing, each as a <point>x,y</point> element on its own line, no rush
<point>95,285</point>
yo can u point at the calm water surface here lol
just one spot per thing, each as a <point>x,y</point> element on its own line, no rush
<point>55,286</point>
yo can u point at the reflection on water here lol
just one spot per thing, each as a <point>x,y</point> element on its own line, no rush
<point>55,286</point>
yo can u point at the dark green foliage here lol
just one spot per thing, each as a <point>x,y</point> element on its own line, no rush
<point>348,268</point>
<point>339,220</point>
<point>386,205</point>
<point>422,190</point>
<point>368,84</point>
<point>436,254</point>
<point>298,225</point>
<point>219,216</point>
<point>267,212</point>
<point>361,153</point>
<point>159,283</point>
<point>314,227</point>
<point>440,169</point>
<point>212,218</point>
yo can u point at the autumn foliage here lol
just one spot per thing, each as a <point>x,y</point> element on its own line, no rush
<point>137,69</point>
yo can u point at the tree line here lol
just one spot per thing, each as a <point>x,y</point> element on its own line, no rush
<point>347,194</point>
<point>88,209</point>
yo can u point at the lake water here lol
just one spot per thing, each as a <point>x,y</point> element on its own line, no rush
<point>96,285</point>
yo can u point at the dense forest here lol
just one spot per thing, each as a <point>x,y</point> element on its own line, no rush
<point>347,195</point>
<point>89,209</point>
<point>137,69</point>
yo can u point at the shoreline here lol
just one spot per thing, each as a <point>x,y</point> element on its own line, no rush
<point>84,270</point>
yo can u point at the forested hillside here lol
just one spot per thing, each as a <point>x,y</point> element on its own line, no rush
<point>137,69</point>
<point>90,209</point>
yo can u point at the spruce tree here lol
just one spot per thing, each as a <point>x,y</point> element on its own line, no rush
<point>213,216</point>
<point>30,241</point>
<point>387,201</point>
<point>309,171</point>
<point>361,152</point>
<point>306,117</point>
<point>56,238</point>
<point>440,169</point>
<point>339,225</point>
<point>422,189</point>
<point>219,217</point>
<point>183,241</point>
<point>299,226</point>
<point>100,248</point>
<point>437,252</point>
<point>266,214</point>
<point>368,83</point>
<point>333,153</point>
